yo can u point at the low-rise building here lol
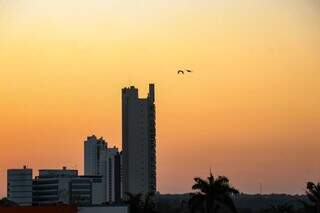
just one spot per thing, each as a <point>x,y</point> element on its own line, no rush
<point>19,186</point>
<point>86,190</point>
<point>66,186</point>
<point>52,186</point>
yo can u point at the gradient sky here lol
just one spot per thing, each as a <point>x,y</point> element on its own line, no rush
<point>250,111</point>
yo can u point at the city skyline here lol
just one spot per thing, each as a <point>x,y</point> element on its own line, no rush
<point>250,110</point>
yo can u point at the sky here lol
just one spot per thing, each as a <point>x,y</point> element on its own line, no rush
<point>250,110</point>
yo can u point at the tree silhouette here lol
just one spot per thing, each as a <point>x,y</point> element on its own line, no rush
<point>134,201</point>
<point>313,194</point>
<point>148,204</point>
<point>4,202</point>
<point>139,203</point>
<point>282,208</point>
<point>212,194</point>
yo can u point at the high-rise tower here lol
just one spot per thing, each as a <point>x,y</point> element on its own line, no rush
<point>99,160</point>
<point>95,154</point>
<point>138,141</point>
<point>95,160</point>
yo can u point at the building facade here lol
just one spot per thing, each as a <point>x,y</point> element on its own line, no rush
<point>95,154</point>
<point>52,186</point>
<point>105,162</point>
<point>138,141</point>
<point>65,186</point>
<point>19,186</point>
<point>114,175</point>
<point>86,190</point>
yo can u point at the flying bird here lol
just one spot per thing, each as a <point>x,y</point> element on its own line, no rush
<point>189,70</point>
<point>181,72</point>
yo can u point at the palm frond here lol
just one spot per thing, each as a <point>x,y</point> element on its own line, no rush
<point>201,185</point>
<point>212,193</point>
<point>313,192</point>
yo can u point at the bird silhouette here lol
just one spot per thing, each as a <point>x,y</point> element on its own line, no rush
<point>189,70</point>
<point>180,72</point>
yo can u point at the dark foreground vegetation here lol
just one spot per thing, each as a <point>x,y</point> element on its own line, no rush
<point>216,195</point>
<point>243,202</point>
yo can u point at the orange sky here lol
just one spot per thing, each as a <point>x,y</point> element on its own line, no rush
<point>250,111</point>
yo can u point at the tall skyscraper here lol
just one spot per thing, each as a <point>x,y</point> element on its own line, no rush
<point>138,141</point>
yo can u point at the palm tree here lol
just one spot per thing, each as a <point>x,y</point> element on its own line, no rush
<point>313,194</point>
<point>212,194</point>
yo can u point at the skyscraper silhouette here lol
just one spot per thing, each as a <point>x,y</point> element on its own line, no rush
<point>138,141</point>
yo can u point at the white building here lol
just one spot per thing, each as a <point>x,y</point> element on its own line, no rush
<point>138,141</point>
<point>99,160</point>
<point>95,155</point>
<point>65,186</point>
<point>19,189</point>
<point>95,160</point>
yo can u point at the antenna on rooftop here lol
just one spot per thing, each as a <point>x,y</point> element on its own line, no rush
<point>260,188</point>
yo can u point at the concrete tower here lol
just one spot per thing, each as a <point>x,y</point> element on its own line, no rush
<point>138,141</point>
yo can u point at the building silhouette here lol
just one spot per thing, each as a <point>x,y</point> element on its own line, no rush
<point>95,155</point>
<point>52,186</point>
<point>66,186</point>
<point>114,175</point>
<point>19,186</point>
<point>138,141</point>
<point>99,160</point>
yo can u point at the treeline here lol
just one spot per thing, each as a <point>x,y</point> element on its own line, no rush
<point>217,195</point>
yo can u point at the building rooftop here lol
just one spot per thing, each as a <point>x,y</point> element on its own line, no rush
<point>53,173</point>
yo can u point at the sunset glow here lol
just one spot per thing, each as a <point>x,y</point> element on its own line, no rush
<point>250,110</point>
